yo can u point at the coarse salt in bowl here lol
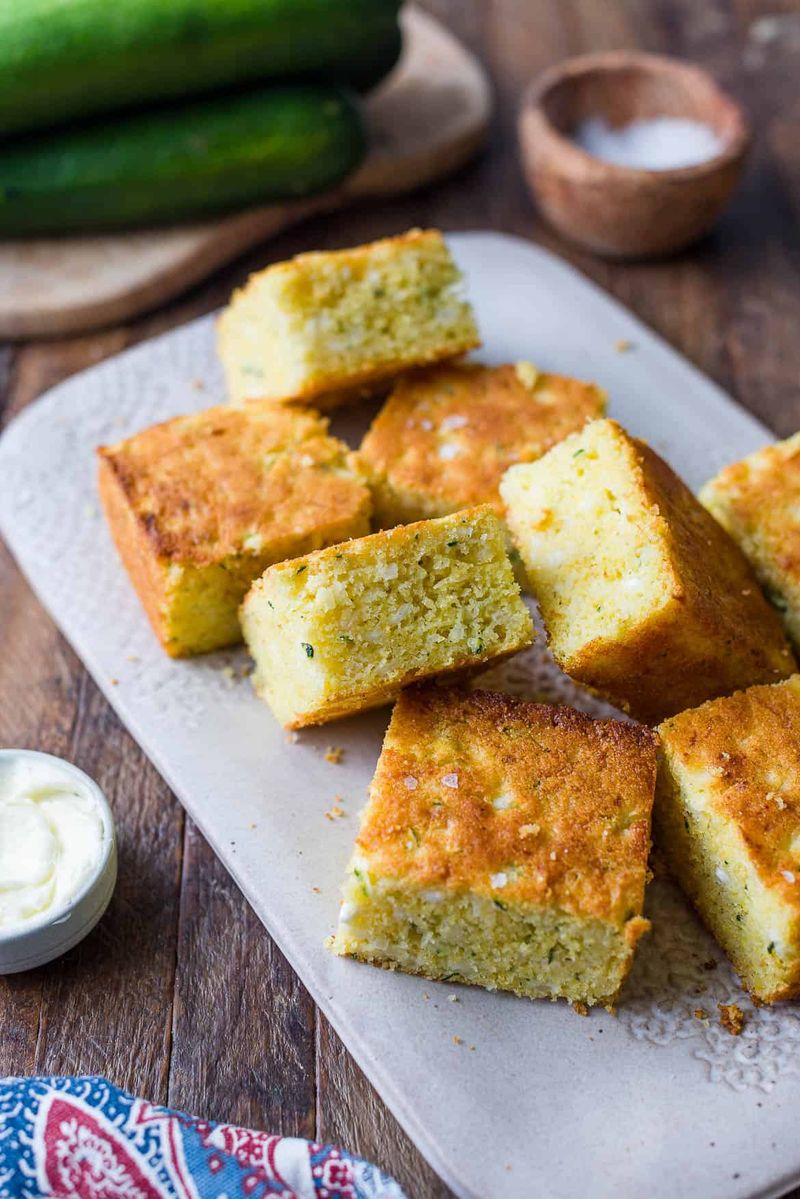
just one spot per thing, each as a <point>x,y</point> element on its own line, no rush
<point>649,143</point>
<point>631,155</point>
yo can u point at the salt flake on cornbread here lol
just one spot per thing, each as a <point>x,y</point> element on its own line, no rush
<point>328,326</point>
<point>504,844</point>
<point>447,433</point>
<point>644,595</point>
<point>344,629</point>
<point>758,501</point>
<point>200,505</point>
<point>727,817</point>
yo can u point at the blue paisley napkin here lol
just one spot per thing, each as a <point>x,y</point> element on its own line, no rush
<point>82,1138</point>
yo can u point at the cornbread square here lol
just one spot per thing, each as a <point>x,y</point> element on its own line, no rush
<point>504,844</point>
<point>344,629</point>
<point>758,501</point>
<point>644,596</point>
<point>328,326</point>
<point>200,505</point>
<point>447,433</point>
<point>727,818</point>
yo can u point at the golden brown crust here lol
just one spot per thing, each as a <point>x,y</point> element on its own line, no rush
<point>371,379</point>
<point>784,994</point>
<point>372,387</point>
<point>480,791</point>
<point>472,666</point>
<point>761,495</point>
<point>211,484</point>
<point>748,746</point>
<point>712,632</point>
<point>757,500</point>
<point>133,545</point>
<point>362,548</point>
<point>717,582</point>
<point>448,433</point>
<point>310,259</point>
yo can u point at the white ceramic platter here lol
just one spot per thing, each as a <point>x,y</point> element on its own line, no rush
<point>532,1100</point>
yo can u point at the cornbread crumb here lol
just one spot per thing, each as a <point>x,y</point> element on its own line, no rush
<point>733,850</point>
<point>200,505</point>
<point>344,629</point>
<point>447,433</point>
<point>732,1018</point>
<point>758,501</point>
<point>639,588</point>
<point>440,883</point>
<point>336,811</point>
<point>328,325</point>
<point>334,754</point>
<point>530,830</point>
<point>458,1040</point>
<point>527,374</point>
<point>580,1009</point>
<point>700,1013</point>
<point>623,345</point>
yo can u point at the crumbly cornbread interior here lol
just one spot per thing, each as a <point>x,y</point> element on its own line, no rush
<point>758,501</point>
<point>596,553</point>
<point>504,844</point>
<point>448,432</point>
<point>644,596</point>
<point>727,816</point>
<point>324,324</point>
<point>200,505</point>
<point>462,938</point>
<point>345,628</point>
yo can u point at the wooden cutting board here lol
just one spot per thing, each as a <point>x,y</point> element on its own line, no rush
<point>426,120</point>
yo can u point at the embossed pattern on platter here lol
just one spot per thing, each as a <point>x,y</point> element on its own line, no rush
<point>672,978</point>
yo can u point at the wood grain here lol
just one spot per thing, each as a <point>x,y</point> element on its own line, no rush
<point>106,1007</point>
<point>180,992</point>
<point>254,1063</point>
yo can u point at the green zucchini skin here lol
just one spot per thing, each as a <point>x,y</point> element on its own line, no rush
<point>180,162</point>
<point>65,59</point>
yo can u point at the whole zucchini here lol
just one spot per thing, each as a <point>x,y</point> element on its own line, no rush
<point>182,161</point>
<point>61,59</point>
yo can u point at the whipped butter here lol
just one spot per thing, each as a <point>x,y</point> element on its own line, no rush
<point>52,839</point>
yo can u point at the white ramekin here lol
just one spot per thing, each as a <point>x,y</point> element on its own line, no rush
<point>56,932</point>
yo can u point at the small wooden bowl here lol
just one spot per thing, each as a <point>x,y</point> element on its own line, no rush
<point>618,211</point>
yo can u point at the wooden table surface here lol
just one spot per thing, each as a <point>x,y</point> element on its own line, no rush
<point>180,995</point>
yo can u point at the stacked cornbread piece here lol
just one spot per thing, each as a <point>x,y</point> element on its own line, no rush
<point>505,843</point>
